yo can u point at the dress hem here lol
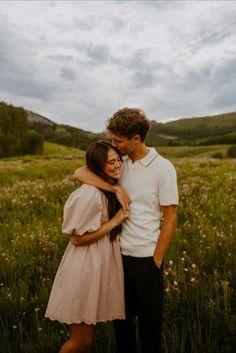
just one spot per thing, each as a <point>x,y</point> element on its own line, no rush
<point>84,321</point>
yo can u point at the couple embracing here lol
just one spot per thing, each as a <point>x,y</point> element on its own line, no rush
<point>121,222</point>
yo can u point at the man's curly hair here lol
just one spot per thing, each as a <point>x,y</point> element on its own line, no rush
<point>128,122</point>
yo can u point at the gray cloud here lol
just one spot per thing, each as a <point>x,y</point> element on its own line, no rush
<point>83,25</point>
<point>98,54</point>
<point>68,74</point>
<point>170,58</point>
<point>26,88</point>
<point>144,78</point>
<point>224,82</point>
<point>226,73</point>
<point>16,75</point>
<point>61,58</point>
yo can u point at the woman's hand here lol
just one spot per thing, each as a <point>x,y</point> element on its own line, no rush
<point>123,198</point>
<point>120,216</point>
<point>75,239</point>
<point>106,227</point>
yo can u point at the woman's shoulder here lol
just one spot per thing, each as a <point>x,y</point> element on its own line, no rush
<point>88,189</point>
<point>85,192</point>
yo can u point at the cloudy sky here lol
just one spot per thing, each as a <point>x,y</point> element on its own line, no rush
<point>77,62</point>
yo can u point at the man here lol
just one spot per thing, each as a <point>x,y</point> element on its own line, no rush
<point>150,181</point>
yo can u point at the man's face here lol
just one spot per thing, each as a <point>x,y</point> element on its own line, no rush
<point>125,146</point>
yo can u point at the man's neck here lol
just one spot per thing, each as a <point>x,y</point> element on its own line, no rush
<point>140,152</point>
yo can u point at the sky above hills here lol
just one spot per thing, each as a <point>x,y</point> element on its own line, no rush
<point>77,62</point>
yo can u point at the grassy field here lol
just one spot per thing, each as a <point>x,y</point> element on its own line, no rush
<point>200,269</point>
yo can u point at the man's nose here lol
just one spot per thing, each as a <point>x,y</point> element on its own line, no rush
<point>113,143</point>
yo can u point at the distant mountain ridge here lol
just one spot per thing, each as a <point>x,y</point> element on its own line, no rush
<point>218,129</point>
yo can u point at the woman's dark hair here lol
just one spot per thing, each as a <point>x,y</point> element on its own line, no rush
<point>96,157</point>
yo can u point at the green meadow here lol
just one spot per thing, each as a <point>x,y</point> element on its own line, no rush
<point>200,268</point>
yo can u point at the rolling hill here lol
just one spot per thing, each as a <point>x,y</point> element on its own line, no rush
<point>62,134</point>
<point>209,130</point>
<point>197,131</point>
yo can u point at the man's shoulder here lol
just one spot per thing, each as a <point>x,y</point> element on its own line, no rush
<point>163,166</point>
<point>160,160</point>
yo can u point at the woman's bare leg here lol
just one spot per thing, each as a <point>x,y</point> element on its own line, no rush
<point>81,339</point>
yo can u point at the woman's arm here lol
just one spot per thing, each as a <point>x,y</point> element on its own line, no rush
<point>105,228</point>
<point>85,176</point>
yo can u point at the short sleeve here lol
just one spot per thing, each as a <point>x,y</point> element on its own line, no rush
<point>82,211</point>
<point>168,189</point>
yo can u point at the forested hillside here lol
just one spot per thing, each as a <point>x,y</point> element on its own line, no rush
<point>16,137</point>
<point>62,134</point>
<point>23,132</point>
<point>211,130</point>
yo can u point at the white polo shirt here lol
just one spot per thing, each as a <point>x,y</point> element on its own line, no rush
<point>150,183</point>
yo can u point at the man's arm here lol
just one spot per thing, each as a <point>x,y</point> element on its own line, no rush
<point>85,176</point>
<point>167,233</point>
<point>105,228</point>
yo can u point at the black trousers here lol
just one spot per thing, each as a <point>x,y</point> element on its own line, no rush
<point>144,293</point>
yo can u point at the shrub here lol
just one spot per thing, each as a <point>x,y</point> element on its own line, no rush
<point>217,155</point>
<point>231,152</point>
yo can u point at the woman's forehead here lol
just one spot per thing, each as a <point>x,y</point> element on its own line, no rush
<point>112,153</point>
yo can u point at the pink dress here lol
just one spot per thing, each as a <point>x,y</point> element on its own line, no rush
<point>89,283</point>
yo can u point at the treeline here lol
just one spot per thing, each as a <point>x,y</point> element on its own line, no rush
<point>16,137</point>
<point>23,132</point>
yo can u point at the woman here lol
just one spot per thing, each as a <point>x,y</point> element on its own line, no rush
<point>88,287</point>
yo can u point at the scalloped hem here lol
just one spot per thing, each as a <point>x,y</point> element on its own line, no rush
<point>53,318</point>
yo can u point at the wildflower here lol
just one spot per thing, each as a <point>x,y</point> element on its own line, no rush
<point>39,328</point>
<point>194,265</point>
<point>186,269</point>
<point>14,327</point>
<point>170,262</point>
<point>193,279</point>
<point>175,283</point>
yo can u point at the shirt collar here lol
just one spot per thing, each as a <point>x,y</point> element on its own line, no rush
<point>152,154</point>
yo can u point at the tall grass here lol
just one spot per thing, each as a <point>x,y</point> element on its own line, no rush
<point>200,269</point>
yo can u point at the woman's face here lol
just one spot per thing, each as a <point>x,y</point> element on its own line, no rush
<point>112,166</point>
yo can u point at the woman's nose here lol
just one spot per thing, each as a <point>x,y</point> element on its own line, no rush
<point>118,163</point>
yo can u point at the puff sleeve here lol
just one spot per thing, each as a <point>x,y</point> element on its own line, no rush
<point>82,211</point>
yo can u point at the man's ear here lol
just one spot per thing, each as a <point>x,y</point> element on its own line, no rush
<point>136,139</point>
